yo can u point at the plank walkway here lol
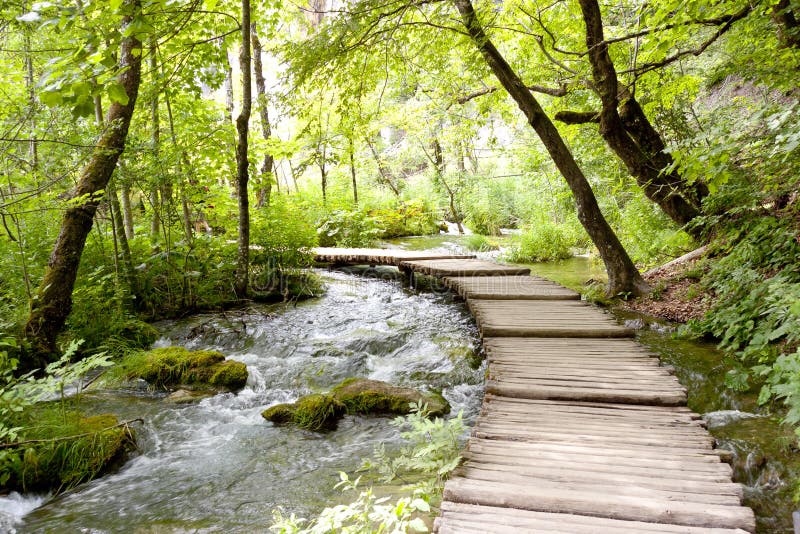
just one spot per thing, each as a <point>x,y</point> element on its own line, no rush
<point>582,430</point>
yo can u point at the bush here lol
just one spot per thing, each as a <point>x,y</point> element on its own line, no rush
<point>756,315</point>
<point>543,242</point>
<point>478,243</point>
<point>409,218</point>
<point>350,229</point>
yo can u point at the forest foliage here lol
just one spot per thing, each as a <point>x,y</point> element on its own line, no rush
<point>377,119</point>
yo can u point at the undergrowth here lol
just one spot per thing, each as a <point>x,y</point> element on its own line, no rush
<point>431,452</point>
<point>755,282</point>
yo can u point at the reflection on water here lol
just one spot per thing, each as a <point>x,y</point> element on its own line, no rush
<point>218,466</point>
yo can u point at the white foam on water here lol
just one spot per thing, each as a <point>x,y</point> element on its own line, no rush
<point>14,507</point>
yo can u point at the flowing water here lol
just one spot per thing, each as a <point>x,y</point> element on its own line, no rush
<point>218,466</point>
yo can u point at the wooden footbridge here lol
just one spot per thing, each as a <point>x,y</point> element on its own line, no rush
<point>581,429</point>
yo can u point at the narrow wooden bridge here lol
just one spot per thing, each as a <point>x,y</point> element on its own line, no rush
<point>581,429</point>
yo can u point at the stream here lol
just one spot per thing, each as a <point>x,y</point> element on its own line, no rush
<point>217,466</point>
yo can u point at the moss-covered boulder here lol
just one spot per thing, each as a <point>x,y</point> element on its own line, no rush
<point>353,396</point>
<point>312,412</point>
<point>174,367</point>
<point>64,449</point>
<point>364,396</point>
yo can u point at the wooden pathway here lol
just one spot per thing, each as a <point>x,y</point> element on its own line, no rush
<point>582,430</point>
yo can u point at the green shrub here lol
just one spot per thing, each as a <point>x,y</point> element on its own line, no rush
<point>478,243</point>
<point>755,314</point>
<point>409,218</point>
<point>543,242</point>
<point>352,229</point>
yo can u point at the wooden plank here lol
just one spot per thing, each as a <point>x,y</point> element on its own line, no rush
<point>462,267</point>
<point>532,521</point>
<point>602,504</point>
<point>611,453</point>
<point>536,433</point>
<point>531,318</point>
<point>567,405</point>
<point>592,483</point>
<point>586,394</point>
<point>580,473</point>
<point>509,288</point>
<point>378,256</point>
<point>706,472</point>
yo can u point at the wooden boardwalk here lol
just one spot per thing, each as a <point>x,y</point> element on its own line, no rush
<point>582,430</point>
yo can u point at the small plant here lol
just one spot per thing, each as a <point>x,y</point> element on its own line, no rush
<point>543,242</point>
<point>431,453</point>
<point>479,243</point>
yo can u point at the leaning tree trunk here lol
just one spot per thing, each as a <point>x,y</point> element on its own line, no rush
<point>623,277</point>
<point>265,191</point>
<point>53,303</point>
<point>242,164</point>
<point>633,139</point>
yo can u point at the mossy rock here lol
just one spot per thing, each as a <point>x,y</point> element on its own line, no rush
<point>170,367</point>
<point>72,449</point>
<point>312,412</point>
<point>364,396</point>
<point>279,414</point>
<point>187,396</point>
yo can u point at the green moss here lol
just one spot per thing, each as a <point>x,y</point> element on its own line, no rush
<point>312,412</point>
<point>318,412</point>
<point>66,449</point>
<point>362,396</point>
<point>279,414</point>
<point>170,367</point>
<point>230,375</point>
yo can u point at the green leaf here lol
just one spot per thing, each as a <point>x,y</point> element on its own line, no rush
<point>116,92</point>
<point>115,4</point>
<point>765,395</point>
<point>418,525</point>
<point>51,98</point>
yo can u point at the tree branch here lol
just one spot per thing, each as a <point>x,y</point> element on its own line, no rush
<point>552,91</point>
<point>647,67</point>
<point>578,117</point>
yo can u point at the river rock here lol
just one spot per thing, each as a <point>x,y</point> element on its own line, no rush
<point>187,396</point>
<point>364,396</point>
<point>353,396</point>
<point>176,367</point>
<point>312,412</point>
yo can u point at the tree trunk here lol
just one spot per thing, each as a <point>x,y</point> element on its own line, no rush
<point>623,277</point>
<point>265,191</point>
<point>30,84</point>
<point>788,26</point>
<point>351,150</point>
<point>383,171</point>
<point>124,247</point>
<point>53,303</point>
<point>634,140</point>
<point>242,164</point>
<point>184,167</point>
<point>155,201</point>
<point>127,211</point>
<point>439,167</point>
